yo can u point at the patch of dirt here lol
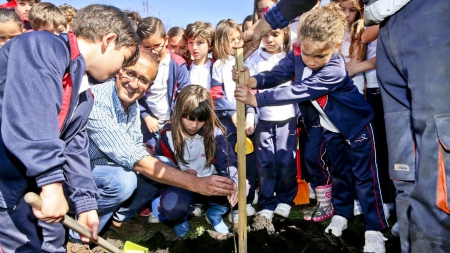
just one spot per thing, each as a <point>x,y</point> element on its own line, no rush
<point>291,234</point>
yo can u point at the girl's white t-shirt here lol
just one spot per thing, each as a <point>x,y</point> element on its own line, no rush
<point>358,79</point>
<point>371,75</point>
<point>194,155</point>
<point>263,61</point>
<point>222,74</point>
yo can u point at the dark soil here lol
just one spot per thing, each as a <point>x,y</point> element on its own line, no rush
<point>292,234</point>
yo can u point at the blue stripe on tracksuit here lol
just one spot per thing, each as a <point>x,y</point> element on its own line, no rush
<point>275,155</point>
<point>354,170</point>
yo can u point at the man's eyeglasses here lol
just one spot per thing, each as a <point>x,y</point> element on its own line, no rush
<point>130,75</point>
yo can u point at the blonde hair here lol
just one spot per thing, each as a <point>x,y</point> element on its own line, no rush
<point>221,45</point>
<point>44,13</point>
<point>69,12</point>
<point>322,27</point>
<point>357,48</point>
<point>194,103</point>
<point>202,30</point>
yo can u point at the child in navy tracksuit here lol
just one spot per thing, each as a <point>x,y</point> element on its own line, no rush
<point>43,140</point>
<point>195,143</point>
<point>222,87</point>
<point>274,134</point>
<point>157,104</point>
<point>344,114</point>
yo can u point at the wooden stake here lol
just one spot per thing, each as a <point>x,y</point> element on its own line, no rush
<point>242,200</point>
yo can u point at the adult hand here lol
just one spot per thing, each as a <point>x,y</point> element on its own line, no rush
<point>89,219</point>
<point>243,94</point>
<point>153,124</point>
<point>214,186</point>
<point>254,34</point>
<point>54,204</point>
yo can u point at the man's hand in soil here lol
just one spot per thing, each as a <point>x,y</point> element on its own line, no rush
<point>89,219</point>
<point>54,204</point>
<point>215,186</point>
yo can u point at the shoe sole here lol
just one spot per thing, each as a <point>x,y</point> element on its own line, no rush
<point>322,218</point>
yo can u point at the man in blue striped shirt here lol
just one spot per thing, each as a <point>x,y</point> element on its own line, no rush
<point>122,167</point>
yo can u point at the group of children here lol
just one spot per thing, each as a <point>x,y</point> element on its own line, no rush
<point>189,112</point>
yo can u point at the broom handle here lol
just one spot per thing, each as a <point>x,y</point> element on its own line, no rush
<point>35,201</point>
<point>240,110</point>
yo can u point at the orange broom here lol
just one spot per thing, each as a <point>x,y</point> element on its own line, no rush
<point>302,196</point>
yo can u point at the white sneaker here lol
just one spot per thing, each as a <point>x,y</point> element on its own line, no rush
<point>266,213</point>
<point>198,211</point>
<point>233,216</point>
<point>388,208</point>
<point>283,210</point>
<point>255,199</point>
<point>395,230</point>
<point>337,225</point>
<point>250,210</point>
<point>152,219</point>
<point>374,242</point>
<point>357,208</point>
<point>312,193</point>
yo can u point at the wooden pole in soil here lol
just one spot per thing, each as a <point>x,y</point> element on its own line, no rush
<point>242,200</point>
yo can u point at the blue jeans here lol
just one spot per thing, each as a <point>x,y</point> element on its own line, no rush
<point>122,193</point>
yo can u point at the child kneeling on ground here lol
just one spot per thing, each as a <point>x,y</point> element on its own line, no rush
<point>193,141</point>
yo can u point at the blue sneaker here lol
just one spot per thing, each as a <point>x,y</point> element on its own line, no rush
<point>214,217</point>
<point>182,229</point>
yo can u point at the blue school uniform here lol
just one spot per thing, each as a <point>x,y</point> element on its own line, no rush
<point>349,117</point>
<point>35,148</point>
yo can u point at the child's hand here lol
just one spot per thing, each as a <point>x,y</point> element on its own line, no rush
<point>243,94</point>
<point>234,119</point>
<point>54,204</point>
<point>89,219</point>
<point>244,71</point>
<point>153,124</point>
<point>233,198</point>
<point>250,123</point>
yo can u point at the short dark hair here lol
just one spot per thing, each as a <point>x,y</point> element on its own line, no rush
<point>149,27</point>
<point>97,20</point>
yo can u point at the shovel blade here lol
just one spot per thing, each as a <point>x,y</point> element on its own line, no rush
<point>130,247</point>
<point>302,196</point>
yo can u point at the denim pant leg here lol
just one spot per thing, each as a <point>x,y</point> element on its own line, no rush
<point>115,185</point>
<point>146,190</point>
<point>421,79</point>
